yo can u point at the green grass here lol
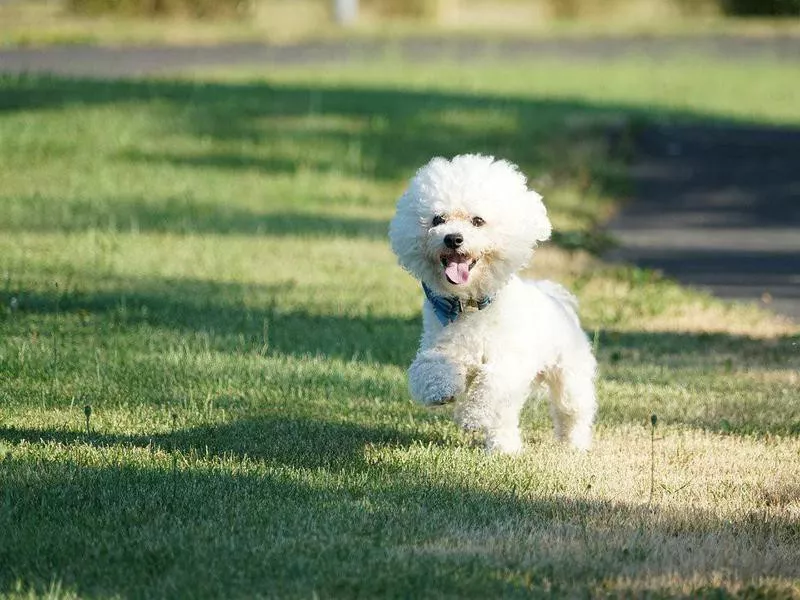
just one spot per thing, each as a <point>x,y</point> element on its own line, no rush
<point>204,263</point>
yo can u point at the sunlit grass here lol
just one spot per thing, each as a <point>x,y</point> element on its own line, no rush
<point>204,263</point>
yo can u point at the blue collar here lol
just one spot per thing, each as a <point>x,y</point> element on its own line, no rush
<point>448,308</point>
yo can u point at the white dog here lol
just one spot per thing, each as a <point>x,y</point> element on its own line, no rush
<point>464,228</point>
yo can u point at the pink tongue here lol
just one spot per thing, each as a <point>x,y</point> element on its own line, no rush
<point>457,270</point>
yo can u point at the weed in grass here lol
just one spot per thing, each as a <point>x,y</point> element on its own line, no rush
<point>653,421</point>
<point>87,411</point>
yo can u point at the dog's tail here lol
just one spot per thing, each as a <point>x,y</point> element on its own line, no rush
<point>558,293</point>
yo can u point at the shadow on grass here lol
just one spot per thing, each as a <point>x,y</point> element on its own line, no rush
<point>371,133</point>
<point>212,316</point>
<point>399,142</point>
<point>229,530</point>
<point>279,440</point>
<point>718,349</point>
<point>383,134</point>
<point>226,322</point>
<point>230,323</point>
<point>178,215</point>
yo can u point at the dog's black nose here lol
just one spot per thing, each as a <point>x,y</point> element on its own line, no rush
<point>453,240</point>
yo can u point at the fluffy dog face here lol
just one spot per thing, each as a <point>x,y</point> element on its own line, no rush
<point>465,225</point>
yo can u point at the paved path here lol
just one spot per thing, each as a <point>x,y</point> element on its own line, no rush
<point>718,207</point>
<point>715,207</point>
<point>128,61</point>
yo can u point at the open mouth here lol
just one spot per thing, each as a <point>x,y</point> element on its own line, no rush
<point>457,267</point>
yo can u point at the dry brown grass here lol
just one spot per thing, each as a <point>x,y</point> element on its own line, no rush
<point>724,511</point>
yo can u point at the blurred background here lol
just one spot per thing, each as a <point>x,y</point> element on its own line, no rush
<point>42,21</point>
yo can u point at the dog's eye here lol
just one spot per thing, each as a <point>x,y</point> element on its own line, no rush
<point>478,222</point>
<point>438,220</point>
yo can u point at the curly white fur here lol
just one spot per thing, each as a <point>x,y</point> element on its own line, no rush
<point>465,227</point>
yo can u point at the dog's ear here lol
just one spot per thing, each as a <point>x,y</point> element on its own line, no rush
<point>537,222</point>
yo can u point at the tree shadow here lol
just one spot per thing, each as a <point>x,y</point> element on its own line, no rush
<point>177,215</point>
<point>659,346</point>
<point>219,309</point>
<point>392,131</point>
<point>226,323</point>
<point>378,134</point>
<point>276,439</point>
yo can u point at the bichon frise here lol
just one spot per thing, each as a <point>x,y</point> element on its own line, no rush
<point>464,227</point>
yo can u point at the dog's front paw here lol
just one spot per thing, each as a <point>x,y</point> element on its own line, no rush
<point>435,393</point>
<point>434,380</point>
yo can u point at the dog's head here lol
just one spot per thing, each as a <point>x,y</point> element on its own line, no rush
<point>465,225</point>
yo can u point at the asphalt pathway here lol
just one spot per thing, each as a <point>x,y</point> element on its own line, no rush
<point>718,207</point>
<point>145,60</point>
<point>715,206</point>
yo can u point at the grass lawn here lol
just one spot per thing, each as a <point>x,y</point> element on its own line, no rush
<point>203,262</point>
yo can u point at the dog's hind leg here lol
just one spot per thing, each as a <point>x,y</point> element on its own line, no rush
<point>572,402</point>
